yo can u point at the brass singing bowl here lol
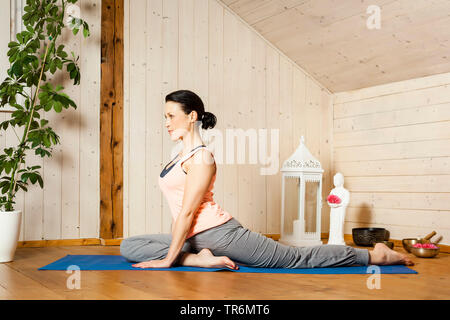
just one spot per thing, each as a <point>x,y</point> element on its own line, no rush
<point>408,243</point>
<point>424,252</point>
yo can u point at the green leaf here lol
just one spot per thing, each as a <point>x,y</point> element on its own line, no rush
<point>41,183</point>
<point>73,74</point>
<point>46,141</point>
<point>43,96</point>
<point>48,7</point>
<point>17,69</point>
<point>54,138</point>
<point>33,177</point>
<point>8,167</point>
<point>86,32</point>
<point>35,63</point>
<point>48,107</point>
<point>71,66</point>
<point>22,187</point>
<point>24,177</point>
<point>63,54</point>
<point>34,144</point>
<point>42,152</point>
<point>5,189</point>
<point>58,106</point>
<point>19,38</point>
<point>59,64</point>
<point>52,66</point>
<point>12,52</point>
<point>8,151</point>
<point>4,125</point>
<point>4,183</point>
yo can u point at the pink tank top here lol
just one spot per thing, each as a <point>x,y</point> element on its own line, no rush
<point>172,182</point>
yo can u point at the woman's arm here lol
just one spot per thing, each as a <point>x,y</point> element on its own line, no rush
<point>199,176</point>
<point>173,225</point>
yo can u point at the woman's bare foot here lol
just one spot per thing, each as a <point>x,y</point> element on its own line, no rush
<point>206,259</point>
<point>383,255</point>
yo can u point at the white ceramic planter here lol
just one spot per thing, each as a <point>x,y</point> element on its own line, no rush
<point>9,234</point>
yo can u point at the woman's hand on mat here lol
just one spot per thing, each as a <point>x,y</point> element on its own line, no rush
<point>153,264</point>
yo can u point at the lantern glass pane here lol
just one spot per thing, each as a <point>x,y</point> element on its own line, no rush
<point>291,200</point>
<point>310,205</point>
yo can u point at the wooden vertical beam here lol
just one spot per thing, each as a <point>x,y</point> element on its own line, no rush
<point>111,120</point>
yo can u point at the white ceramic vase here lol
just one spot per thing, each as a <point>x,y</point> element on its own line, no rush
<point>9,234</point>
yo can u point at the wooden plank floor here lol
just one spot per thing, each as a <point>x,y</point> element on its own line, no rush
<point>20,279</point>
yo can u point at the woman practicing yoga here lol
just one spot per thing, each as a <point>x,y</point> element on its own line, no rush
<point>205,235</point>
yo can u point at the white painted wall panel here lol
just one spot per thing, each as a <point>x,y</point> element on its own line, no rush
<point>68,205</point>
<point>392,144</point>
<point>247,83</point>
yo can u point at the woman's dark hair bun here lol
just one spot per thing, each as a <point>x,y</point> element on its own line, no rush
<point>189,102</point>
<point>209,120</point>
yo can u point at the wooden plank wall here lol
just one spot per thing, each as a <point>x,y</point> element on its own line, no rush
<point>111,120</point>
<point>247,83</point>
<point>392,143</point>
<point>68,206</point>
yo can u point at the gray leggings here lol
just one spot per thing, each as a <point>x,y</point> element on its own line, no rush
<point>244,247</point>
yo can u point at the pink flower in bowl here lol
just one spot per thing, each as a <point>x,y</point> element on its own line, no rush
<point>333,199</point>
<point>425,245</point>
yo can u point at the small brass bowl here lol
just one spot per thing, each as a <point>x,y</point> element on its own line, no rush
<point>424,252</point>
<point>390,244</point>
<point>409,242</point>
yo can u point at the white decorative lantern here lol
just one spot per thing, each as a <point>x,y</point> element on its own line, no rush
<point>303,167</point>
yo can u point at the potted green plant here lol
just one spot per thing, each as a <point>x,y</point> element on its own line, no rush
<point>26,90</point>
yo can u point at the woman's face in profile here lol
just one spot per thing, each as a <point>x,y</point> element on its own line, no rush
<point>177,122</point>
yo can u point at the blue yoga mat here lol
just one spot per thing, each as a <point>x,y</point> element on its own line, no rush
<point>116,262</point>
